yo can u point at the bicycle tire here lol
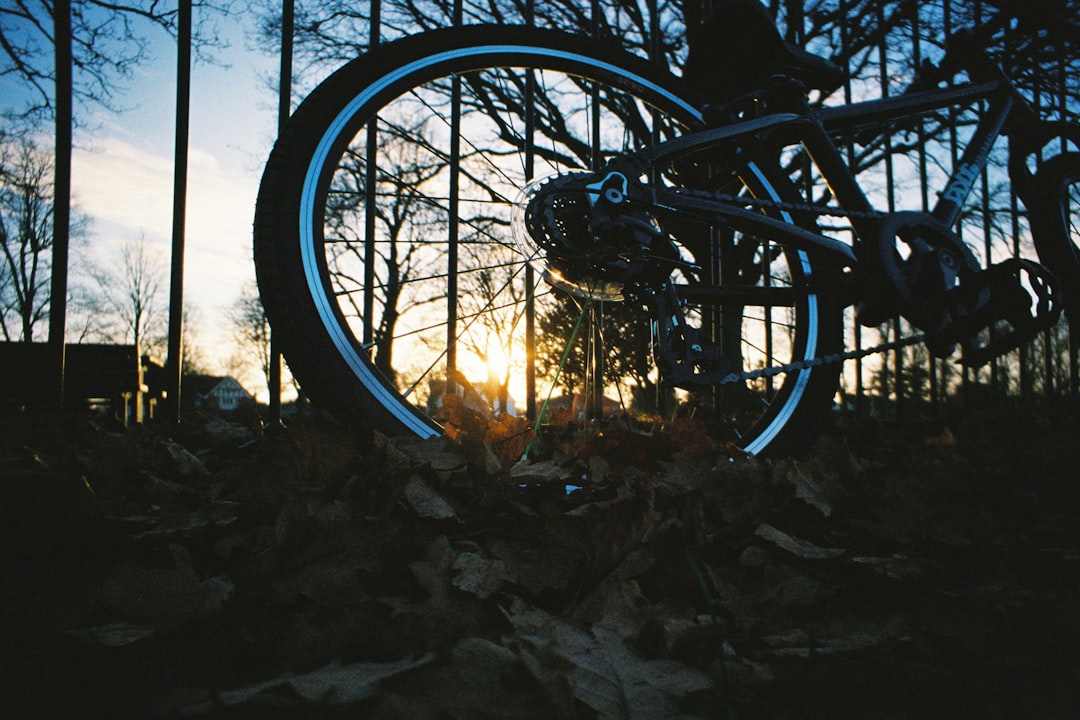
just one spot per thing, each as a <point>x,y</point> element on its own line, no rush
<point>332,342</point>
<point>1055,224</point>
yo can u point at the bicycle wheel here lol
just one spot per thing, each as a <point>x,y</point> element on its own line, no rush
<point>1055,227</point>
<point>383,243</point>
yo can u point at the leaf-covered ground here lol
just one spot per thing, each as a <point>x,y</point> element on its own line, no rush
<point>901,570</point>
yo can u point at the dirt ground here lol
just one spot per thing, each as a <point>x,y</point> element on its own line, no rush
<point>919,569</point>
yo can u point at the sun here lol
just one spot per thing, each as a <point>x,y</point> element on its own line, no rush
<point>498,359</point>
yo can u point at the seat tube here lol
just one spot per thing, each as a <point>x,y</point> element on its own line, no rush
<point>839,178</point>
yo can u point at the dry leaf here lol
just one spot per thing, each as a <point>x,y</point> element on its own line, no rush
<point>546,471</point>
<point>331,685</point>
<point>508,437</point>
<point>795,546</point>
<point>167,594</point>
<point>426,502</point>
<point>178,462</point>
<point>599,669</point>
<point>116,634</point>
<point>478,575</point>
<point>809,489</point>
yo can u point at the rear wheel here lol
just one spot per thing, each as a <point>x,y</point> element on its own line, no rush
<point>387,265</point>
<point>1056,227</point>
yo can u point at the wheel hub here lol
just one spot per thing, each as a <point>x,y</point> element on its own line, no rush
<point>576,231</point>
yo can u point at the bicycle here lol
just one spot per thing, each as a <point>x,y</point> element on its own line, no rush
<point>462,192</point>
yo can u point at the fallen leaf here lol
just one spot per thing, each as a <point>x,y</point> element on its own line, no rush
<point>795,546</point>
<point>809,489</point>
<point>546,471</point>
<point>438,453</point>
<point>599,668</point>
<point>117,634</point>
<point>508,437</point>
<point>167,594</point>
<point>789,587</point>
<point>331,685</point>
<point>478,575</point>
<point>177,461</point>
<point>843,635</point>
<point>896,567</point>
<point>426,502</point>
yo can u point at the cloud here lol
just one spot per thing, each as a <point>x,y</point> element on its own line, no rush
<point>127,190</point>
<point>124,186</point>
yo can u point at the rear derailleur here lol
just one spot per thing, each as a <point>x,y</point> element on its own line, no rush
<point>595,237</point>
<point>685,355</point>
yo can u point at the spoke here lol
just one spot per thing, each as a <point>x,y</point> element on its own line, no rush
<point>426,278</point>
<point>432,201</point>
<point>394,196</point>
<point>468,325</point>
<point>757,348</point>
<point>773,323</point>
<point>472,318</point>
<point>341,240</point>
<point>498,170</point>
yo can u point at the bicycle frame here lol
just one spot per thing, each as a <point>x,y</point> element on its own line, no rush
<point>1002,101</point>
<point>815,131</point>
<point>923,286</point>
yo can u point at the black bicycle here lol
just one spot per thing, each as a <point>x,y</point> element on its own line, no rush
<point>441,214</point>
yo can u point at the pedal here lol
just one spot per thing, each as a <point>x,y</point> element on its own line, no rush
<point>1018,292</point>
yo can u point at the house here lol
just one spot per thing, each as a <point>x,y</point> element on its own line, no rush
<point>206,392</point>
<point>114,378</point>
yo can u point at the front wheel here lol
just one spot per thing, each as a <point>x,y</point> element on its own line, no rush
<point>386,261</point>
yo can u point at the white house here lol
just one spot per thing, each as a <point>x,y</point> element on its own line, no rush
<point>221,393</point>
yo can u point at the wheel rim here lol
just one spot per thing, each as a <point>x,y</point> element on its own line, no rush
<point>411,213</point>
<point>1071,208</point>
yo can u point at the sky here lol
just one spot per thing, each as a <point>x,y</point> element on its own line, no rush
<point>122,174</point>
<point>123,178</point>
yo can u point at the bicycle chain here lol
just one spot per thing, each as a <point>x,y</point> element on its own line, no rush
<point>822,359</point>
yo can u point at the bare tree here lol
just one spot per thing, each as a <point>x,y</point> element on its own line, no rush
<point>26,233</point>
<point>129,294</point>
<point>109,40</point>
<point>335,31</point>
<point>879,42</point>
<point>251,334</point>
<point>193,358</point>
<point>251,331</point>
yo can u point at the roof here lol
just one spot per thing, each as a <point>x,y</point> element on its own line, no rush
<point>202,385</point>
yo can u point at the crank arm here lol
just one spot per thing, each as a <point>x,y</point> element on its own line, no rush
<point>1010,302</point>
